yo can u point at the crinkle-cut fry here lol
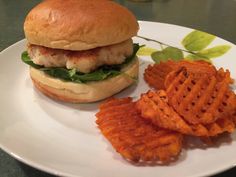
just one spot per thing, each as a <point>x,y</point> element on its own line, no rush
<point>197,99</point>
<point>133,137</point>
<point>155,74</point>
<point>154,107</point>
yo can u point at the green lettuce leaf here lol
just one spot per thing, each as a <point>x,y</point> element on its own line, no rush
<point>26,59</point>
<point>72,75</point>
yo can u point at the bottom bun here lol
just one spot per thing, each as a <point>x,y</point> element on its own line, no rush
<point>85,92</point>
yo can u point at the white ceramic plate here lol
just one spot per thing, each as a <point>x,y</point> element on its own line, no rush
<point>63,138</point>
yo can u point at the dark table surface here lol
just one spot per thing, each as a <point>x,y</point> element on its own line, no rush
<point>214,16</point>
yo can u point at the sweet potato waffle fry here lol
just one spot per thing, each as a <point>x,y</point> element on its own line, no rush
<point>200,99</point>
<point>154,107</point>
<point>191,98</point>
<point>133,137</point>
<point>155,74</point>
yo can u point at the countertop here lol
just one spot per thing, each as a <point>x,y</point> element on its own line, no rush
<point>213,16</point>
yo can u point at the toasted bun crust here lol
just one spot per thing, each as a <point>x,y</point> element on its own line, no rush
<point>84,93</point>
<point>79,24</point>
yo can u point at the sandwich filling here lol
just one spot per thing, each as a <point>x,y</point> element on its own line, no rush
<point>81,66</point>
<point>83,61</point>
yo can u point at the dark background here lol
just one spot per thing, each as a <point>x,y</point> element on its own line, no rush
<point>213,16</point>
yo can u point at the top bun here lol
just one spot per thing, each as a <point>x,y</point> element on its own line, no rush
<point>79,24</point>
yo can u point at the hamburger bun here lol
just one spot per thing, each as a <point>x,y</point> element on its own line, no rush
<point>75,30</point>
<point>79,24</point>
<point>82,93</point>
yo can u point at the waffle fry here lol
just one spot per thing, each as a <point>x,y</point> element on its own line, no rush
<point>200,99</point>
<point>154,107</point>
<point>133,137</point>
<point>155,74</point>
<point>192,98</point>
<point>197,67</point>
